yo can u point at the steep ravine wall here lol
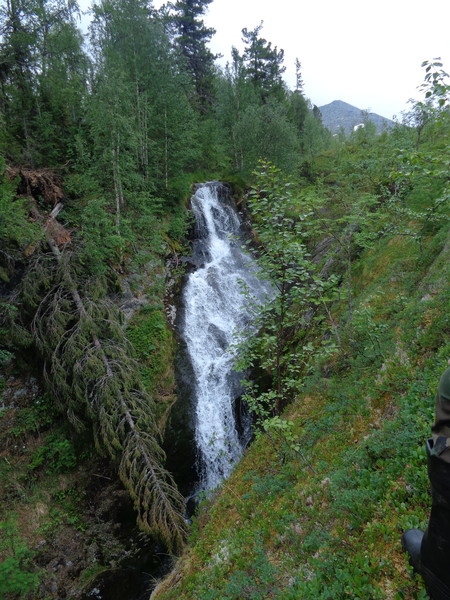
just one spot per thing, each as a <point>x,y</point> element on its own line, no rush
<point>61,504</point>
<point>327,522</point>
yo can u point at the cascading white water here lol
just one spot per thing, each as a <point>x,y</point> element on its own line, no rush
<point>215,311</point>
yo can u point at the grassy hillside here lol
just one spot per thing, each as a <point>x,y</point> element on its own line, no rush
<point>318,504</point>
<point>326,522</point>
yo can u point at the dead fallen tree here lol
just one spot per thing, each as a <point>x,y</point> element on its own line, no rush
<point>92,375</point>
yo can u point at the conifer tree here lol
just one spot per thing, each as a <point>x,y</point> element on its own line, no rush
<point>95,381</point>
<point>140,121</point>
<point>298,77</point>
<point>191,39</point>
<point>263,64</point>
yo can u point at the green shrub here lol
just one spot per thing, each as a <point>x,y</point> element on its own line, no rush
<point>16,575</point>
<point>57,455</point>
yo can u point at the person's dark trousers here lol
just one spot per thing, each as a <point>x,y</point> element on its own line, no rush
<point>429,551</point>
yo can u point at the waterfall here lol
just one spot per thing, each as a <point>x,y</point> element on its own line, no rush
<point>215,311</point>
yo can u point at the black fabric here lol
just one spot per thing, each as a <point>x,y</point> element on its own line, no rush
<point>435,548</point>
<point>441,426</point>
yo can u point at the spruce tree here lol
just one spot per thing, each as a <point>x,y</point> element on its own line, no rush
<point>263,64</point>
<point>94,379</point>
<point>191,39</point>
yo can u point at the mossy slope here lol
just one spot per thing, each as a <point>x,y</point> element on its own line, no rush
<point>326,522</point>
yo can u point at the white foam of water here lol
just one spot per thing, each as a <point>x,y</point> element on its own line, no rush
<point>215,309</point>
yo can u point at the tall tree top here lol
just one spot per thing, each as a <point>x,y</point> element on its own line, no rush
<point>264,64</point>
<point>298,76</point>
<point>191,36</point>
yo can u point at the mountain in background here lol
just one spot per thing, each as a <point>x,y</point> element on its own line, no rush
<point>339,114</point>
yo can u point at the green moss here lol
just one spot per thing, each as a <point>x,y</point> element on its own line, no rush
<point>39,416</point>
<point>18,576</point>
<point>154,346</point>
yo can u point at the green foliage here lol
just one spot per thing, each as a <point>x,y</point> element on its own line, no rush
<point>57,455</point>
<point>191,39</point>
<point>436,85</point>
<point>180,222</point>
<point>5,356</point>
<point>258,117</point>
<point>281,434</point>
<point>353,335</point>
<point>263,64</point>
<point>152,344</point>
<point>100,114</point>
<point>149,333</point>
<point>16,576</point>
<point>44,81</point>
<point>340,581</point>
<point>264,132</point>
<point>103,245</point>
<point>125,142</point>
<point>96,381</point>
<point>327,488</point>
<point>369,335</point>
<point>253,583</point>
<point>424,203</point>
<point>16,230</point>
<point>140,136</point>
<point>66,505</point>
<point>298,290</point>
<point>35,418</point>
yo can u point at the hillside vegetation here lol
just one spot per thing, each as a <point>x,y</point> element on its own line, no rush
<point>99,147</point>
<point>318,504</point>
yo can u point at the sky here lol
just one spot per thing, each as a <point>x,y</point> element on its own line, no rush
<point>368,54</point>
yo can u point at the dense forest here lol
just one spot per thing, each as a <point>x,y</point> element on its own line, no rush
<point>102,136</point>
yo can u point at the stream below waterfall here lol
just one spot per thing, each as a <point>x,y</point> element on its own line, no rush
<point>214,312</point>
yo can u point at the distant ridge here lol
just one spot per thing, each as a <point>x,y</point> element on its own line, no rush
<point>339,114</point>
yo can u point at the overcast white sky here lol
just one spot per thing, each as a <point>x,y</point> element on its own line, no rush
<point>365,53</point>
